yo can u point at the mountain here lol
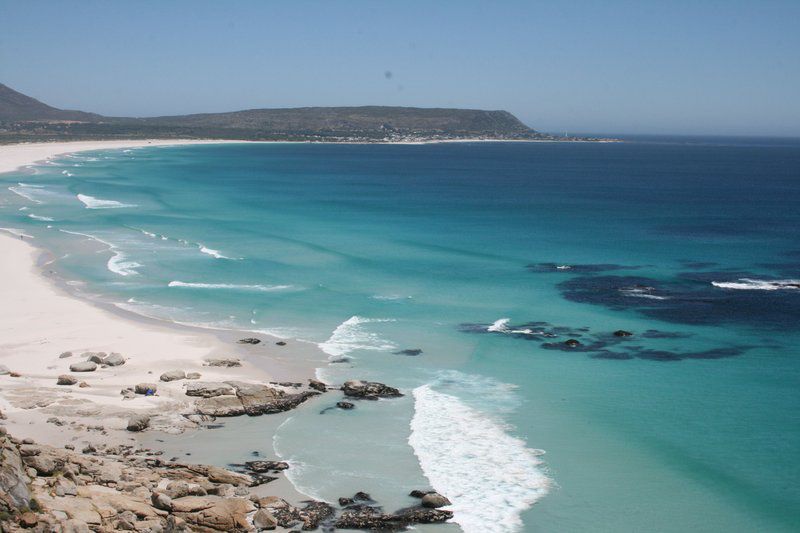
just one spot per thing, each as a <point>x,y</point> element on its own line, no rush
<point>15,106</point>
<point>23,118</point>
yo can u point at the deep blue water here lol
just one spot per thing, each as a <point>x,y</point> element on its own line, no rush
<point>486,257</point>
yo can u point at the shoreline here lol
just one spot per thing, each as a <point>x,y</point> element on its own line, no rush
<point>43,316</point>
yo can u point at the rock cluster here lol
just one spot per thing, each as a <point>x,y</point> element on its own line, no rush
<point>234,398</point>
<point>46,489</point>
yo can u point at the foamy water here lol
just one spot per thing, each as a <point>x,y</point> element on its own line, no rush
<point>490,476</point>
<point>229,286</point>
<point>352,335</point>
<point>747,284</point>
<point>118,263</point>
<point>98,203</point>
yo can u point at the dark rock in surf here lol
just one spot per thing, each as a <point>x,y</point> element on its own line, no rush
<point>622,333</point>
<point>345,405</point>
<point>317,385</point>
<point>434,500</point>
<point>410,352</point>
<point>369,390</point>
<point>249,340</point>
<point>263,467</point>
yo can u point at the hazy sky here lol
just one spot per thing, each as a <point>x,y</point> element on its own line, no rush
<point>723,67</point>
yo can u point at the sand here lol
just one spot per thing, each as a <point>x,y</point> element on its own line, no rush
<point>40,320</point>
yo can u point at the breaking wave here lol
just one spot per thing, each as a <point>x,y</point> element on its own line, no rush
<point>490,476</point>
<point>20,191</point>
<point>261,288</point>
<point>351,335</point>
<point>747,284</point>
<point>39,217</point>
<point>118,263</point>
<point>98,203</point>
<point>213,253</point>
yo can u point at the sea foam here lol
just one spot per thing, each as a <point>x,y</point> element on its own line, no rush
<point>98,203</point>
<point>490,477</point>
<point>352,335</point>
<point>747,284</point>
<point>230,286</point>
<point>213,253</point>
<point>118,263</point>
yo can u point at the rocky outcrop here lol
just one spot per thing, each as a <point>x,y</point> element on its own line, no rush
<point>369,390</point>
<point>14,492</point>
<point>206,389</point>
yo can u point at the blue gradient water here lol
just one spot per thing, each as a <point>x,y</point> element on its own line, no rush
<point>690,424</point>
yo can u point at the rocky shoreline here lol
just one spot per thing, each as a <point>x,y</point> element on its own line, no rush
<point>124,488</point>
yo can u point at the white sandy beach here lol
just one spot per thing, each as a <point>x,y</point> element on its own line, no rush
<point>39,320</point>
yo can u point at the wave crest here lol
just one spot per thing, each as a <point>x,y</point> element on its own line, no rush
<point>230,286</point>
<point>98,203</point>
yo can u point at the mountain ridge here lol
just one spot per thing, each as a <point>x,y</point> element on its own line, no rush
<point>25,118</point>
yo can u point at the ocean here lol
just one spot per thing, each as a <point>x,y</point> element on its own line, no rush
<point>458,272</point>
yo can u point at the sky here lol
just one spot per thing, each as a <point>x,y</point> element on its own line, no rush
<point>678,67</point>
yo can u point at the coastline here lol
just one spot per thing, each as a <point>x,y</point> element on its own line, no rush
<point>43,317</point>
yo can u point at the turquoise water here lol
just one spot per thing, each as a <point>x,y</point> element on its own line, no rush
<point>486,257</point>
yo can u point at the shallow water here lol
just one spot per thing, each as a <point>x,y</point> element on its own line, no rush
<point>486,257</point>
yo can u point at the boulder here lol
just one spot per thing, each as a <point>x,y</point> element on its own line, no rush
<point>114,359</point>
<point>345,405</point>
<point>161,501</point>
<point>95,357</point>
<point>264,520</point>
<point>434,500</point>
<point>66,379</point>
<point>207,389</point>
<point>369,390</point>
<point>317,385</point>
<point>148,389</point>
<point>138,423</point>
<point>229,514</point>
<point>173,375</point>
<point>83,366</point>
<point>43,464</point>
<point>249,340</point>
<point>28,520</point>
